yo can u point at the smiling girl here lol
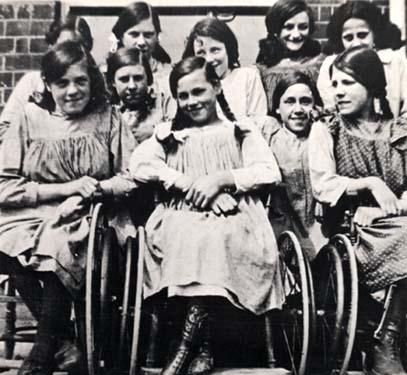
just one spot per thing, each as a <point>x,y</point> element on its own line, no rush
<point>292,204</point>
<point>212,230</point>
<point>288,46</point>
<point>361,23</point>
<point>55,156</point>
<point>216,42</point>
<point>363,152</point>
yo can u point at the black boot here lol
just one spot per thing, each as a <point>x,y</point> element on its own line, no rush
<point>386,353</point>
<point>203,362</point>
<point>196,316</point>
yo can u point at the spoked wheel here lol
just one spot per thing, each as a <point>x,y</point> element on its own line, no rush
<point>101,310</point>
<point>295,319</point>
<point>348,327</point>
<point>330,299</point>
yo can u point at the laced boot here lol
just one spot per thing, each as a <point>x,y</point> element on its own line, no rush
<point>196,315</point>
<point>203,362</point>
<point>386,354</point>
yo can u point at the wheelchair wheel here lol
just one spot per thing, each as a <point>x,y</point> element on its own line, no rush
<point>348,329</point>
<point>330,299</point>
<point>295,319</point>
<point>101,310</point>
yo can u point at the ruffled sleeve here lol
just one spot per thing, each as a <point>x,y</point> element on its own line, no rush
<point>15,189</point>
<point>256,98</point>
<point>324,83</point>
<point>259,164</point>
<point>327,185</point>
<point>148,161</point>
<point>122,144</point>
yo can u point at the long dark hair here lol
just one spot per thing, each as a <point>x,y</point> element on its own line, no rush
<point>55,64</point>
<point>218,30</point>
<point>74,24</point>
<point>354,62</point>
<point>188,66</point>
<point>271,50</point>
<point>125,57</point>
<point>132,15</point>
<point>386,34</point>
<point>289,79</point>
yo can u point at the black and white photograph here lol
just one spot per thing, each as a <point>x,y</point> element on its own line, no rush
<point>203,187</point>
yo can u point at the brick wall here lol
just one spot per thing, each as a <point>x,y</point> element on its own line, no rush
<point>22,28</point>
<point>24,23</point>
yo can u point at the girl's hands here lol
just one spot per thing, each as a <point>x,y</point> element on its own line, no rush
<point>70,207</point>
<point>224,204</point>
<point>204,190</point>
<point>365,216</point>
<point>85,186</point>
<point>386,199</point>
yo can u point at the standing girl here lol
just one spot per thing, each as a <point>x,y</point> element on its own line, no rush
<point>288,45</point>
<point>55,156</point>
<point>360,151</point>
<point>130,79</point>
<point>292,203</point>
<point>216,42</point>
<point>212,236</point>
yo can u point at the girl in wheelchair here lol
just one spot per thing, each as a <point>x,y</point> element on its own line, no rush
<point>362,150</point>
<point>211,237</point>
<point>292,204</point>
<point>55,156</point>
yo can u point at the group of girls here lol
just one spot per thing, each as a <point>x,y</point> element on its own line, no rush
<point>212,134</point>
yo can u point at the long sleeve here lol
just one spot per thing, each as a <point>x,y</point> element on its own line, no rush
<point>122,145</point>
<point>255,95</point>
<point>327,185</point>
<point>324,83</point>
<point>147,164</point>
<point>16,190</point>
<point>18,99</point>
<point>259,164</point>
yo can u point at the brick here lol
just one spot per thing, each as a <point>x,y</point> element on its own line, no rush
<point>325,13</point>
<point>22,45</point>
<point>6,79</point>
<point>315,12</point>
<point>6,11</point>
<point>6,94</point>
<point>39,27</point>
<point>2,63</point>
<point>24,10</point>
<point>6,45</point>
<point>1,28</point>
<point>16,28</point>
<point>43,11</point>
<point>320,32</point>
<point>38,45</point>
<point>20,62</point>
<point>35,63</point>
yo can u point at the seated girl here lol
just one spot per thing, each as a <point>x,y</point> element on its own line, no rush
<point>289,45</point>
<point>216,42</point>
<point>292,205</point>
<point>131,84</point>
<point>55,156</point>
<point>212,236</point>
<point>360,151</point>
<point>31,86</point>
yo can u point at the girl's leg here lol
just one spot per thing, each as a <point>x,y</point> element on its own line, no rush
<point>196,316</point>
<point>52,325</point>
<point>386,356</point>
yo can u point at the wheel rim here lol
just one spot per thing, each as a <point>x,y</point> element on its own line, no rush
<point>295,315</point>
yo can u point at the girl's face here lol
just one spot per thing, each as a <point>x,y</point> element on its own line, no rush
<point>214,53</point>
<point>197,97</point>
<point>71,92</point>
<point>351,97</point>
<point>295,32</point>
<point>131,85</point>
<point>357,32</point>
<point>142,36</point>
<point>295,106</point>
